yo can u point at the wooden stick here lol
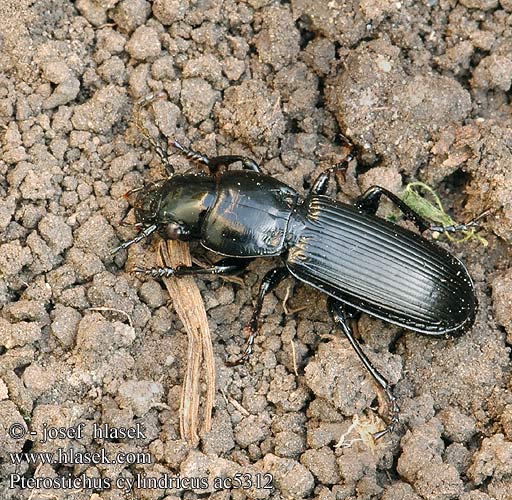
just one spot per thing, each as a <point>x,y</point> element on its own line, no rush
<point>190,309</point>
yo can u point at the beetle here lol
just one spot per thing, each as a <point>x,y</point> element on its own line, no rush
<point>362,262</point>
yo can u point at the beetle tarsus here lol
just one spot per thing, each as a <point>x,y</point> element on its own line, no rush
<point>144,234</point>
<point>146,100</point>
<point>395,418</point>
<point>156,272</point>
<point>467,226</point>
<point>191,154</point>
<point>251,330</point>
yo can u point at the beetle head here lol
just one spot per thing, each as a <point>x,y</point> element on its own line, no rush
<point>147,204</point>
<point>175,207</point>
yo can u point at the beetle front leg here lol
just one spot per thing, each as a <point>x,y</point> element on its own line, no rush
<point>247,163</point>
<point>216,162</point>
<point>268,283</point>
<point>337,310</point>
<point>143,234</point>
<point>225,267</point>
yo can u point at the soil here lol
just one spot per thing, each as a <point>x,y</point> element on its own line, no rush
<point>422,90</point>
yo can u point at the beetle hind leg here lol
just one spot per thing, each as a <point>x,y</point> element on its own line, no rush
<point>339,314</point>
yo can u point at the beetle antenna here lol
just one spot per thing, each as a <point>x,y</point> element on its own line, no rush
<point>156,144</point>
<point>144,234</point>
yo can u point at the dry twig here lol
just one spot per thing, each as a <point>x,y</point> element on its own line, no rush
<point>190,309</point>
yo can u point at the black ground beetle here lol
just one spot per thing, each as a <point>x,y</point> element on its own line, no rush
<point>361,261</point>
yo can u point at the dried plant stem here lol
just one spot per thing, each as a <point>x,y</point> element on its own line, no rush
<point>189,306</point>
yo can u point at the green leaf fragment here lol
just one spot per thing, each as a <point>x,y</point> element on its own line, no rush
<point>434,210</point>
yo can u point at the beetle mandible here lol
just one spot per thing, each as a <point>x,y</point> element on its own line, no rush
<point>361,261</point>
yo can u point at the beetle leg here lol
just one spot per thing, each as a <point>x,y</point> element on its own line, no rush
<point>268,283</point>
<point>216,162</point>
<point>247,163</point>
<point>225,267</point>
<point>322,181</point>
<point>192,155</point>
<point>337,310</point>
<point>144,234</point>
<point>462,227</point>
<point>369,202</point>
